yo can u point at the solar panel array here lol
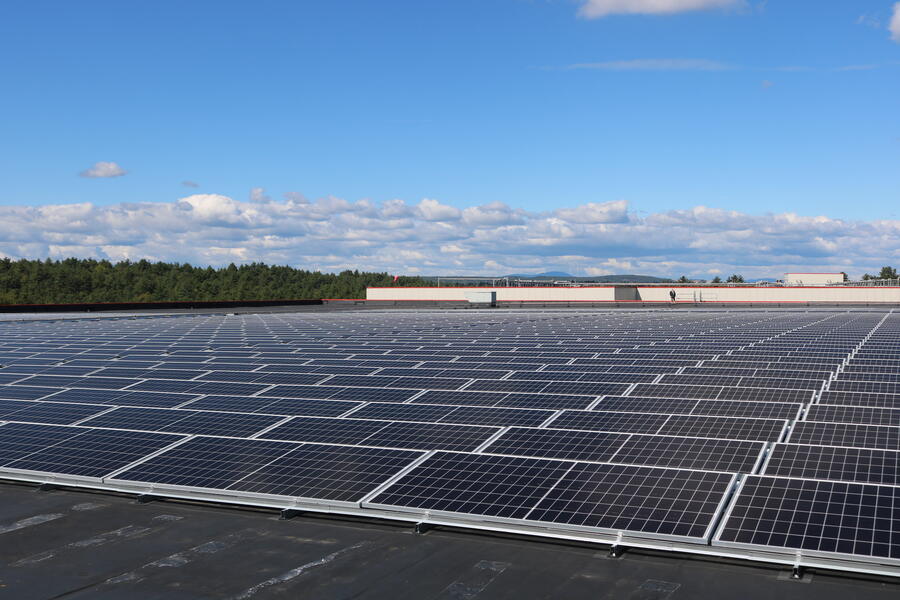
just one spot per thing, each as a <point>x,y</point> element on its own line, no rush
<point>774,431</point>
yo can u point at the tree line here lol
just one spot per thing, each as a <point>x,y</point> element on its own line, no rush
<point>75,280</point>
<point>886,273</point>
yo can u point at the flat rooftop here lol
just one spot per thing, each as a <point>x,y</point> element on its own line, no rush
<point>76,544</point>
<point>697,442</point>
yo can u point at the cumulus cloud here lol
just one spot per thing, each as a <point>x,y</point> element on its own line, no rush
<point>593,212</point>
<point>104,169</point>
<point>433,210</point>
<point>595,9</point>
<point>432,237</point>
<point>654,64</point>
<point>258,194</point>
<point>894,25</point>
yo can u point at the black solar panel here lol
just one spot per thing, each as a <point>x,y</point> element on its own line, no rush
<point>818,516</point>
<point>854,414</point>
<point>766,430</point>
<point>331,431</point>
<point>76,451</point>
<point>21,392</point>
<point>47,412</point>
<point>340,473</point>
<point>731,456</point>
<point>475,484</point>
<point>834,463</point>
<point>557,443</point>
<point>842,434</point>
<point>609,421</point>
<point>431,436</point>
<point>639,500</point>
<point>273,406</point>
<point>207,462</point>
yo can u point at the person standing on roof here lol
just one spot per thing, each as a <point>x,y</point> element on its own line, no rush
<point>672,295</point>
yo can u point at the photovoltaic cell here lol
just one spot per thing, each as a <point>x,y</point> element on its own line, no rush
<point>641,500</point>
<point>609,421</point>
<point>207,462</point>
<point>86,452</point>
<point>557,443</point>
<point>475,484</point>
<point>331,431</point>
<point>339,473</point>
<point>732,456</point>
<point>843,434</point>
<point>834,463</point>
<point>825,517</point>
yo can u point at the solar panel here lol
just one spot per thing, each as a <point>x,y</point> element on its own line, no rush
<point>664,406</point>
<point>842,434</point>
<point>609,421</point>
<point>732,456</point>
<point>75,451</point>
<point>207,462</point>
<point>206,423</point>
<point>474,484</point>
<point>733,428</point>
<point>506,399</point>
<point>834,463</point>
<point>663,502</point>
<point>21,392</point>
<point>339,473</point>
<point>47,412</point>
<point>332,431</point>
<point>821,517</point>
<point>274,406</point>
<point>431,436</point>
<point>854,414</point>
<point>860,399</point>
<point>557,443</point>
<point>640,500</point>
<point>404,412</point>
<point>18,440</point>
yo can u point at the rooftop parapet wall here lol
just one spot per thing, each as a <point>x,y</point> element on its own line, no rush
<point>792,294</point>
<point>504,294</point>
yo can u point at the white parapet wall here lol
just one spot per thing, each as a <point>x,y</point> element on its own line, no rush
<point>704,294</point>
<point>504,294</point>
<point>792,294</point>
<point>813,278</point>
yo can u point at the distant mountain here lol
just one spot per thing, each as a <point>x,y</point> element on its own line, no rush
<point>627,279</point>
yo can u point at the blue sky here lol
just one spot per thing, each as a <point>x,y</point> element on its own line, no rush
<point>752,107</point>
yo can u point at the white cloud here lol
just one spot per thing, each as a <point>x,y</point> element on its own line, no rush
<point>104,169</point>
<point>655,64</point>
<point>869,21</point>
<point>894,25</point>
<point>258,195</point>
<point>436,238</point>
<point>592,212</point>
<point>432,210</point>
<point>595,9</point>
